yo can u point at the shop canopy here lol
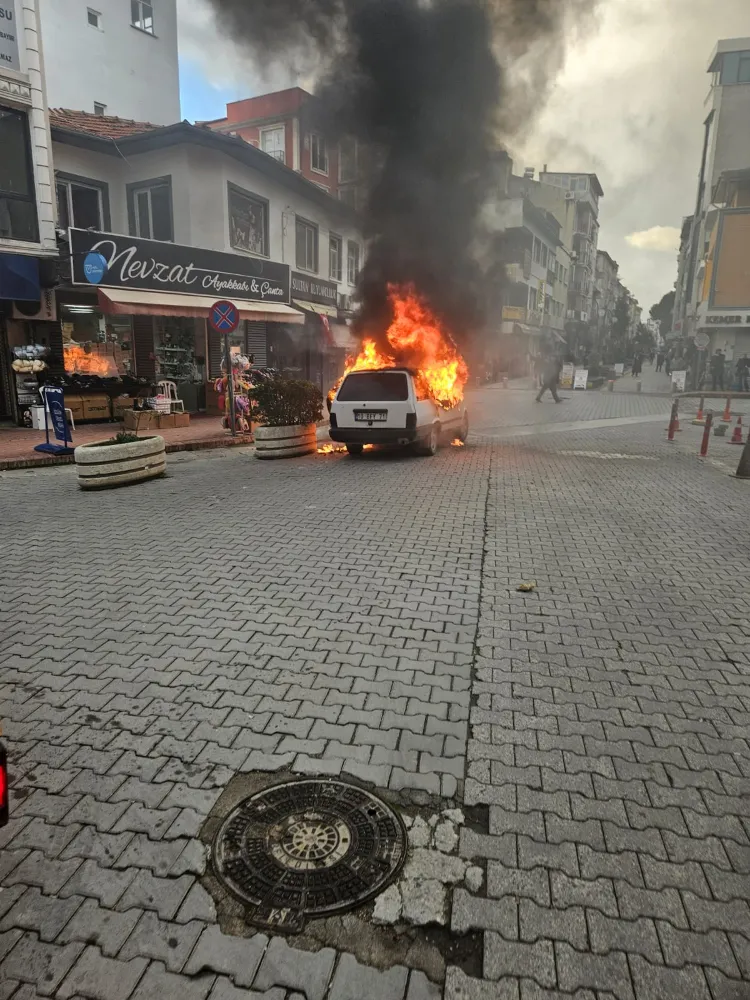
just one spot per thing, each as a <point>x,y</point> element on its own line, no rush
<point>320,308</point>
<point>134,302</point>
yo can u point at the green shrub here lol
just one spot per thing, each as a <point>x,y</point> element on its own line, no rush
<point>284,402</point>
<point>122,438</point>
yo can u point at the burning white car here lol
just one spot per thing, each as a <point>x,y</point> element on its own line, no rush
<point>393,406</point>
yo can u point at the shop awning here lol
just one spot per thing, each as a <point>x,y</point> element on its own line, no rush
<point>133,302</point>
<point>317,307</point>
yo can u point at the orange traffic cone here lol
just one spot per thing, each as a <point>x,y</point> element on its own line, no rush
<point>737,432</point>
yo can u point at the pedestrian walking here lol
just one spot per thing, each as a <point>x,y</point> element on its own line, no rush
<point>743,373</point>
<point>637,366</point>
<point>550,379</point>
<point>717,370</point>
<point>659,361</point>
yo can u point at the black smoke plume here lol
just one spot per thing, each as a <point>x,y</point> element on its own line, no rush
<point>424,85</point>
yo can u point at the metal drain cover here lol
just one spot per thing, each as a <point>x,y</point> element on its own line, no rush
<point>308,848</point>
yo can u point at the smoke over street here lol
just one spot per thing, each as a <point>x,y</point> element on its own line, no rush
<point>430,90</point>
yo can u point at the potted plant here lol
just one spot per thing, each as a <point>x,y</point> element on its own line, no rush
<point>125,458</point>
<point>286,412</point>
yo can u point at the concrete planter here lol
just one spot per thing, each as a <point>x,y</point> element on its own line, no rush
<point>285,442</point>
<point>101,465</point>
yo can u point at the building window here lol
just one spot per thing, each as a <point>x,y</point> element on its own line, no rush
<point>307,245</point>
<point>248,221</point>
<point>94,18</point>
<point>347,160</point>
<point>150,209</point>
<point>334,257</point>
<point>318,154</point>
<point>743,75</point>
<point>100,109</point>
<point>142,15</point>
<point>273,141</point>
<point>352,262</point>
<point>81,204</point>
<point>537,254</point>
<point>17,198</point>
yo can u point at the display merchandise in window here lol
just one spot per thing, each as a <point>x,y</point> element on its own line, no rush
<point>174,350</point>
<point>94,344</point>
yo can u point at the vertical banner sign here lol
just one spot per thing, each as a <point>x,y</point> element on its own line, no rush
<point>55,400</point>
<point>581,378</point>
<point>8,36</point>
<point>678,381</point>
<point>566,378</point>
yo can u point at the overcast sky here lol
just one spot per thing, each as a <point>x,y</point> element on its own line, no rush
<point>628,105</point>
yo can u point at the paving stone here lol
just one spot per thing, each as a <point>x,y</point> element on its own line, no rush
<point>238,958</point>
<point>514,958</point>
<point>157,855</point>
<point>103,884</point>
<point>101,978</point>
<point>198,905</point>
<point>93,924</point>
<point>538,922</point>
<point>504,881</point>
<point>709,948</point>
<point>420,988</point>
<point>638,936</point>
<point>352,981</point>
<point>89,842</point>
<point>223,990</point>
<point>657,983</point>
<point>44,914</point>
<point>149,892</point>
<point>157,984</point>
<point>282,965</point>
<point>470,912</point>
<point>162,940</point>
<point>459,986</point>
<point>602,973</point>
<point>44,965</point>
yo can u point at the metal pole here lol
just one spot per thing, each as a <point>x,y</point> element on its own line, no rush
<point>706,433</point>
<point>230,386</point>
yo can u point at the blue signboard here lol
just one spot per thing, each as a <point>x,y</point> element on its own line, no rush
<point>55,399</point>
<point>94,267</point>
<point>224,317</point>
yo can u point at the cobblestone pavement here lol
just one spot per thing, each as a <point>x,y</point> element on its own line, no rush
<point>331,616</point>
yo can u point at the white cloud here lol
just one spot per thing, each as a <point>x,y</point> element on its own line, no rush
<point>665,239</point>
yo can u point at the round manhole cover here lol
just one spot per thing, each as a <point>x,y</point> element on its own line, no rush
<point>308,848</point>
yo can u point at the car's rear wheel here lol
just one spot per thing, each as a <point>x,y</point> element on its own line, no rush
<point>355,450</point>
<point>431,443</point>
<point>464,432</point>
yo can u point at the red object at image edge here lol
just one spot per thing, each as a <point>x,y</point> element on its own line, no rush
<point>3,786</point>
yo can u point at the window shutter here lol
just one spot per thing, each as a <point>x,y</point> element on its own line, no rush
<point>257,343</point>
<point>215,353</point>
<point>143,346</point>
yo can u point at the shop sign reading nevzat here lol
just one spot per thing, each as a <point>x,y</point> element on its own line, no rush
<point>109,260</point>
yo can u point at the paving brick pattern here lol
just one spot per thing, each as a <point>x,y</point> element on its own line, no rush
<point>330,616</point>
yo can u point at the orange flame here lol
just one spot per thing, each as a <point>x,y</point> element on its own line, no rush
<point>78,361</point>
<point>418,341</point>
<point>458,443</point>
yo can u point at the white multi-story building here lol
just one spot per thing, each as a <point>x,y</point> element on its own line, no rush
<point>113,57</point>
<point>713,287</point>
<point>27,222</point>
<point>201,204</point>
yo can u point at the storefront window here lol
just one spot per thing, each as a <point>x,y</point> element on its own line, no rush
<point>174,349</point>
<point>94,344</point>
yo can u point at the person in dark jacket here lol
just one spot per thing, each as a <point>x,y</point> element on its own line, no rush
<point>659,361</point>
<point>717,371</point>
<point>550,379</point>
<point>637,366</point>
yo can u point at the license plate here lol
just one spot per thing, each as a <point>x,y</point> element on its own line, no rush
<point>368,415</point>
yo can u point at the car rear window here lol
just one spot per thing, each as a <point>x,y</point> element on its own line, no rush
<point>379,387</point>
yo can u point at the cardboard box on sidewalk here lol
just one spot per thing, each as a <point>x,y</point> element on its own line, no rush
<point>139,420</point>
<point>96,408</point>
<point>181,419</point>
<point>165,421</point>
